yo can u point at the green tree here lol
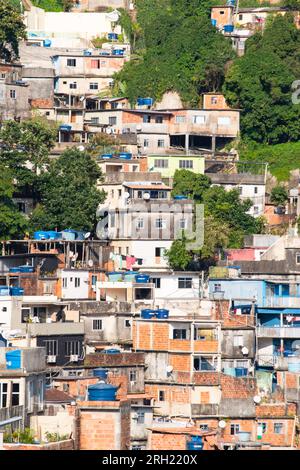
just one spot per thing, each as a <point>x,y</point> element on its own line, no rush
<point>12,30</point>
<point>216,237</point>
<point>279,195</point>
<point>177,256</point>
<point>12,223</point>
<point>260,82</point>
<point>69,194</point>
<point>190,184</point>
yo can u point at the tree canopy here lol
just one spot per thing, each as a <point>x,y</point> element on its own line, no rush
<point>12,223</point>
<point>12,30</point>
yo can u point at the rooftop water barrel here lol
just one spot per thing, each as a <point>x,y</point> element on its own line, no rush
<point>68,234</point>
<point>180,197</point>
<point>112,351</point>
<point>41,235</point>
<point>214,22</point>
<point>162,313</point>
<point>54,235</point>
<point>115,276</point>
<point>228,28</point>
<point>244,436</point>
<point>16,291</point>
<point>230,371</point>
<point>86,52</point>
<point>14,270</point>
<point>147,313</point>
<point>102,392</point>
<point>4,290</point>
<point>47,43</point>
<point>142,278</point>
<point>106,156</point>
<point>65,127</point>
<point>100,373</point>
<point>26,269</point>
<point>119,52</point>
<point>113,36</point>
<point>130,276</point>
<point>241,371</point>
<point>230,3</point>
<point>13,359</point>
<point>294,367</point>
<point>79,235</point>
<point>145,101</point>
<point>125,156</point>
<point>195,443</point>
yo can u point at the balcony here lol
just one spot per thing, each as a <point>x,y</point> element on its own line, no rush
<point>56,328</point>
<point>279,362</point>
<point>282,302</point>
<point>11,414</point>
<point>278,332</point>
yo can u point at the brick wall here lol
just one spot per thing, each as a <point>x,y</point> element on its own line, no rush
<point>115,360</point>
<point>233,387</point>
<point>75,387</point>
<point>62,445</point>
<point>276,409</point>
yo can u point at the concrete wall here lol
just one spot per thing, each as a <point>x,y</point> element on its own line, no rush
<point>113,330</point>
<point>173,164</point>
<point>248,341</point>
<point>70,291</point>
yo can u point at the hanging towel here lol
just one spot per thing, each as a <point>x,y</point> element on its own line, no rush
<point>130,260</point>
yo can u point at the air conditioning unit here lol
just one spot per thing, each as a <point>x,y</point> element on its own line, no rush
<point>51,359</point>
<point>74,358</point>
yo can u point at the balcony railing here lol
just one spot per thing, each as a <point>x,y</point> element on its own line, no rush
<point>11,414</point>
<point>278,332</point>
<point>284,302</point>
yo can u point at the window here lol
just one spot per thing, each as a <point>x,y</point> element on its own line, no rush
<point>146,118</point>
<point>140,223</point>
<point>140,417</point>
<point>159,119</point>
<point>95,120</point>
<point>95,64</point>
<point>182,223</point>
<point>94,280</point>
<point>199,119</point>
<point>40,394</point>
<point>13,94</point>
<point>159,252</point>
<point>224,121</point>
<point>97,325</point>
<point>160,143</point>
<point>161,395</point>
<point>278,428</point>
<point>73,85</point>
<point>77,281</point>
<point>93,86</point>
<point>161,163</point>
<point>71,62</point>
<point>263,427</point>
<point>240,190</point>
<point>15,396</point>
<point>234,429</point>
<point>179,334</point>
<point>240,17</point>
<point>217,287</point>
<point>160,223</point>
<point>127,323</point>
<point>213,100</point>
<point>132,376</point>
<point>3,395</point>
<point>203,427</point>
<point>255,209</point>
<point>184,283</point>
<point>205,364</point>
<point>156,282</point>
<point>65,282</point>
<point>30,396</point>
<point>146,142</point>
<point>179,119</point>
<point>186,164</point>
<point>255,189</point>
<point>222,12</point>
<point>47,113</point>
<point>72,347</point>
<point>22,207</point>
<point>297,258</point>
<point>51,347</point>
<point>112,120</point>
<point>238,340</point>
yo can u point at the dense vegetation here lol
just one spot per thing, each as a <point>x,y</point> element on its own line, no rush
<point>12,30</point>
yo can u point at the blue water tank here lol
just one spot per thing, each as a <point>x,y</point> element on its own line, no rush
<point>68,234</point>
<point>162,313</point>
<point>102,392</point>
<point>16,291</point>
<point>106,156</point>
<point>54,235</point>
<point>100,373</point>
<point>14,270</point>
<point>228,28</point>
<point>13,359</point>
<point>118,52</point>
<point>115,277</point>
<point>125,156</point>
<point>112,351</point>
<point>180,197</point>
<point>65,127</point>
<point>230,3</point>
<point>147,313</point>
<point>241,372</point>
<point>80,235</point>
<point>195,443</point>
<point>214,22</point>
<point>86,52</point>
<point>26,269</point>
<point>145,101</point>
<point>142,278</point>
<point>41,235</point>
<point>4,290</point>
<point>230,371</point>
<point>129,276</point>
<point>47,43</point>
<point>113,36</point>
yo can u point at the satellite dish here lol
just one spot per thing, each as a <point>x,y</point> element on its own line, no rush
<point>138,128</point>
<point>90,263</point>
<point>245,351</point>
<point>146,196</point>
<point>81,98</point>
<point>257,399</point>
<point>108,131</point>
<point>169,369</point>
<point>126,195</point>
<point>222,424</point>
<point>87,235</point>
<point>81,148</point>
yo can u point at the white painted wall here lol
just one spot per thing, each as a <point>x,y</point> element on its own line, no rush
<point>169,286</point>
<point>72,292</point>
